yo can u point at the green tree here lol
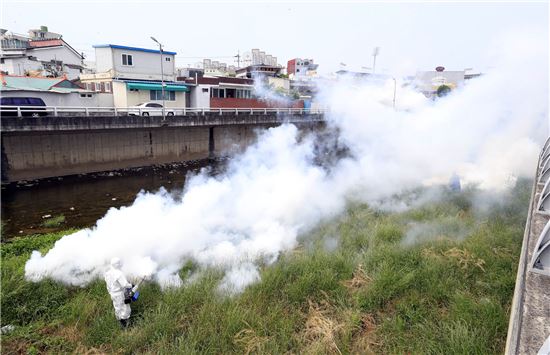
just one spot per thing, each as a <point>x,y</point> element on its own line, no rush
<point>443,90</point>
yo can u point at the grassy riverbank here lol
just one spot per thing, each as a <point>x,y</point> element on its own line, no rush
<point>437,278</point>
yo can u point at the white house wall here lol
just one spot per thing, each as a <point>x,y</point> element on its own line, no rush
<point>200,99</point>
<point>103,59</point>
<point>54,99</point>
<point>61,53</point>
<point>122,97</point>
<point>120,94</point>
<point>18,66</point>
<point>105,99</point>
<point>140,96</point>
<point>146,66</point>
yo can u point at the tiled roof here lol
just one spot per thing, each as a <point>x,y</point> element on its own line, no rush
<point>27,83</point>
<point>46,43</point>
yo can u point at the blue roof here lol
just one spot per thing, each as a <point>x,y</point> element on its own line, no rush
<point>133,48</point>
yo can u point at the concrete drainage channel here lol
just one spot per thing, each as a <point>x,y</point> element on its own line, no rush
<point>529,328</point>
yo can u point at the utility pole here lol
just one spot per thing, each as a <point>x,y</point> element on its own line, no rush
<point>162,78</point>
<point>375,52</point>
<point>238,56</point>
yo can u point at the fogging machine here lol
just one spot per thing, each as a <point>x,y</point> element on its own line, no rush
<point>131,294</point>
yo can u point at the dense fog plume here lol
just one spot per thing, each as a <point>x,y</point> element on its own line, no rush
<point>488,132</point>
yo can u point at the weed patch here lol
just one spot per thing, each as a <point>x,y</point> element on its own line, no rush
<point>437,278</point>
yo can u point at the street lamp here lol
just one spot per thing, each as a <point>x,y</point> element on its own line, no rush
<point>375,52</point>
<point>162,76</point>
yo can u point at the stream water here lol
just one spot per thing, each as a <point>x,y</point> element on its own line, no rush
<point>83,199</point>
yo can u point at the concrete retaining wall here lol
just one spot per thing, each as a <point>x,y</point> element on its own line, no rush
<point>34,148</point>
<point>35,155</point>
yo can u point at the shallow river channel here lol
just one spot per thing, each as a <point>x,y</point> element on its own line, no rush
<point>83,199</point>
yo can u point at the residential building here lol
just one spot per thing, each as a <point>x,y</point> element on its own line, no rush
<point>280,85</point>
<point>429,81</point>
<point>42,53</point>
<point>258,57</point>
<point>229,92</point>
<point>303,88</point>
<point>258,71</point>
<point>126,76</point>
<point>54,91</point>
<point>189,72</point>
<point>220,92</point>
<point>301,68</point>
<point>215,68</point>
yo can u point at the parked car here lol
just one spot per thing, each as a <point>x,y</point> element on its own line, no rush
<point>30,106</point>
<point>149,109</point>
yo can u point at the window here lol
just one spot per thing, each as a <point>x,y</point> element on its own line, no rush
<point>204,89</point>
<point>35,101</point>
<point>154,105</point>
<point>134,90</point>
<point>107,87</point>
<point>243,94</point>
<point>86,95</point>
<point>89,86</point>
<point>127,59</point>
<point>157,95</point>
<point>98,87</point>
<point>167,59</point>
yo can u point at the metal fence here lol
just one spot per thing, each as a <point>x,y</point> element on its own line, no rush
<point>36,111</point>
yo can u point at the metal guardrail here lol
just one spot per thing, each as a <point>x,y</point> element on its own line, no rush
<point>37,111</point>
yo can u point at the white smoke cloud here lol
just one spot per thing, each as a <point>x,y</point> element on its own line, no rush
<point>488,131</point>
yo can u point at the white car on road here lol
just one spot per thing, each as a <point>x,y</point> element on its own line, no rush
<point>149,109</point>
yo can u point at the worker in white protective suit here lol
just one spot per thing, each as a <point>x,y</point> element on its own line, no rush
<point>116,285</point>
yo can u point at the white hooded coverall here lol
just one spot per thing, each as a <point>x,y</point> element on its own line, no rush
<point>116,284</point>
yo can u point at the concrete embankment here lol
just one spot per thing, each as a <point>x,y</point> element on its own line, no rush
<point>34,148</point>
<point>530,314</point>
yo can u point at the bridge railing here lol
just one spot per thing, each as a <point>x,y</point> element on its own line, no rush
<point>36,111</point>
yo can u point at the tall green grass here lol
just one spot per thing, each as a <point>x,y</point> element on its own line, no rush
<point>352,286</point>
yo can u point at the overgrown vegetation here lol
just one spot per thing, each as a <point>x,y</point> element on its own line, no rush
<point>354,285</point>
<point>54,221</point>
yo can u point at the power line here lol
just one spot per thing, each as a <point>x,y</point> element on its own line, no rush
<point>208,57</point>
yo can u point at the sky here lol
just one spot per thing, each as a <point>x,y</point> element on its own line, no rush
<point>411,35</point>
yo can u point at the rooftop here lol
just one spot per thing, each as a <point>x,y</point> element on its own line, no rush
<point>216,80</point>
<point>28,83</point>
<point>146,50</point>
